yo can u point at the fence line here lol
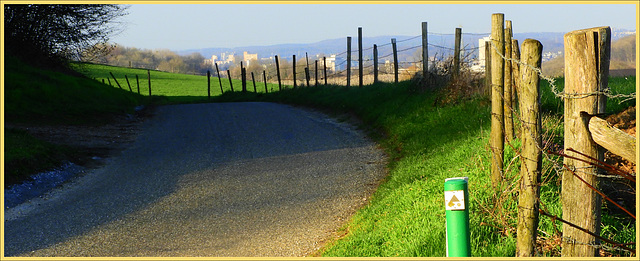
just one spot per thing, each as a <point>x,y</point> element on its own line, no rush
<point>557,166</point>
<point>364,64</point>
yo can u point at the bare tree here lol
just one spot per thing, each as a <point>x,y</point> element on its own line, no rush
<point>54,33</point>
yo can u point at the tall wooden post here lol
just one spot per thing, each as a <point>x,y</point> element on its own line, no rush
<point>219,79</point>
<point>137,83</point>
<point>324,61</point>
<point>508,87</point>
<point>149,77</point>
<point>128,84</point>
<point>230,82</point>
<point>316,72</point>
<point>456,53</point>
<point>348,61</point>
<point>243,78</point>
<point>487,66</point>
<point>375,63</point>
<point>586,73</point>
<point>278,73</point>
<point>515,71</point>
<point>531,168</point>
<point>295,83</point>
<point>395,59</point>
<point>264,77</point>
<point>208,85</point>
<point>306,74</point>
<point>114,78</point>
<point>253,79</point>
<point>497,104</point>
<point>359,56</point>
<point>425,52</point>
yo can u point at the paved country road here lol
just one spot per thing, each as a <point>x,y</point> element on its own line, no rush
<point>228,179</point>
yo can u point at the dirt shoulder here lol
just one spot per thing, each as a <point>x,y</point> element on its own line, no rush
<point>91,144</point>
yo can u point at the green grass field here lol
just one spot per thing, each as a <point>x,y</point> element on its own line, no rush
<point>426,143</point>
<point>175,88</point>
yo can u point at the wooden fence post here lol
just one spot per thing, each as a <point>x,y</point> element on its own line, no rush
<point>531,155</point>
<point>243,78</point>
<point>324,61</point>
<point>515,69</point>
<point>586,62</point>
<point>306,74</point>
<point>230,83</point>
<point>395,59</point>
<point>114,78</point>
<point>128,84</point>
<point>208,85</point>
<point>497,104</point>
<point>149,77</point>
<point>316,73</point>
<point>219,80</point>
<point>138,83</point>
<point>425,52</point>
<point>264,77</point>
<point>253,79</point>
<point>375,63</point>
<point>295,84</point>
<point>508,87</point>
<point>456,53</point>
<point>487,67</point>
<point>278,73</point>
<point>348,61</point>
<point>360,57</point>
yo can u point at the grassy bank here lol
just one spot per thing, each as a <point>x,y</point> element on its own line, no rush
<point>428,142</point>
<point>36,96</point>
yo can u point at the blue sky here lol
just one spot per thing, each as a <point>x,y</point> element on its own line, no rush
<point>189,26</point>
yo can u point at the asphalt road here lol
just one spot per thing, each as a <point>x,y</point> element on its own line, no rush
<point>229,179</point>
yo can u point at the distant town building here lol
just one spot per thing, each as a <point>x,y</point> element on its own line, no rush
<point>481,45</point>
<point>331,63</point>
<point>248,57</point>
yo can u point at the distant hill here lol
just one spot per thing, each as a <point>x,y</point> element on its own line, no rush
<point>440,44</point>
<point>623,59</point>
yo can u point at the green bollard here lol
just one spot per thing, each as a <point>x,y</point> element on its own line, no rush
<point>456,195</point>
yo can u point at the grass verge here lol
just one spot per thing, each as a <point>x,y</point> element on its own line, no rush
<point>427,143</point>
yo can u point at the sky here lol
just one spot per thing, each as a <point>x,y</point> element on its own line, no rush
<point>194,26</point>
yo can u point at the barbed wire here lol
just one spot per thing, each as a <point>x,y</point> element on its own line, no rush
<point>556,165</point>
<point>554,88</point>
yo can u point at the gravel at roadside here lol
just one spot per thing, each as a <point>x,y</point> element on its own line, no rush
<point>229,179</point>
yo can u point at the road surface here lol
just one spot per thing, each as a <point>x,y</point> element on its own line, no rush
<point>218,179</point>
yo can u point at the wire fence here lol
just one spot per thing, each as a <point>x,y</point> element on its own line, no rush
<point>409,62</point>
<point>555,157</point>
